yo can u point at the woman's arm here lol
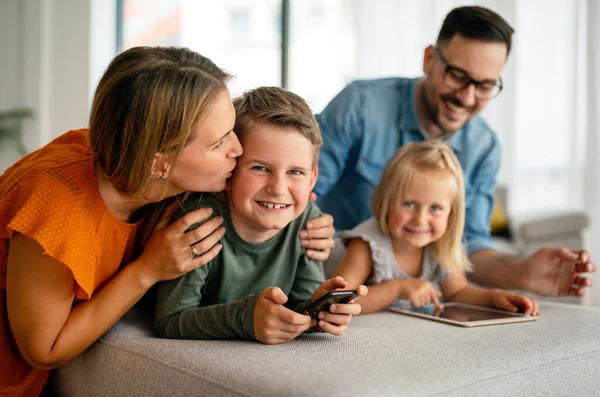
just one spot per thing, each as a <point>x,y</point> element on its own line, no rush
<point>456,289</point>
<point>50,331</point>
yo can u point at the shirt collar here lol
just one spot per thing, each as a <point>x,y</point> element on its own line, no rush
<point>410,121</point>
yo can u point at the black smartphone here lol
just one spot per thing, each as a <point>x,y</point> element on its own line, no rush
<point>322,304</point>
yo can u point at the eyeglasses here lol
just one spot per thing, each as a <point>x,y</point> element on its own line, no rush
<point>458,79</point>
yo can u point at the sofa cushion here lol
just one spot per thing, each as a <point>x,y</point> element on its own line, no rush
<point>381,354</point>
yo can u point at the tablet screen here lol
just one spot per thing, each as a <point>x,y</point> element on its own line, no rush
<point>465,313</point>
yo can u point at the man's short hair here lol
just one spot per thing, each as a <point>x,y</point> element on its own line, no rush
<point>279,107</point>
<point>476,23</point>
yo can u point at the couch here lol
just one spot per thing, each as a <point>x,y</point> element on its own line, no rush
<point>381,354</point>
<point>532,231</point>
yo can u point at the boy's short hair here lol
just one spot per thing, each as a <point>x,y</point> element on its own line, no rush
<point>279,107</point>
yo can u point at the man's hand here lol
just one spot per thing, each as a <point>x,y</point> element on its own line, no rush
<point>275,323</point>
<point>557,272</point>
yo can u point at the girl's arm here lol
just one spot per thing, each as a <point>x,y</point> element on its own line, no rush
<point>457,289</point>
<point>50,331</point>
<point>355,267</point>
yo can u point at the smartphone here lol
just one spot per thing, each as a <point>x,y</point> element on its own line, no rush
<point>322,304</point>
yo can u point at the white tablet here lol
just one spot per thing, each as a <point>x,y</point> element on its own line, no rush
<point>465,315</point>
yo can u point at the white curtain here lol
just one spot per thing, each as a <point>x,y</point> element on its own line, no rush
<point>591,179</point>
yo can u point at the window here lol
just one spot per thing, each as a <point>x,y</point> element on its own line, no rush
<point>237,35</point>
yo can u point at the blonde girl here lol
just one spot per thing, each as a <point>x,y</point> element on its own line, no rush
<point>411,249</point>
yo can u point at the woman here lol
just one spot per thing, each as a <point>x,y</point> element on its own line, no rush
<point>160,125</point>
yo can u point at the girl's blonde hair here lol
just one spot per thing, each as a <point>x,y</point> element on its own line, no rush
<point>405,168</point>
<point>149,100</point>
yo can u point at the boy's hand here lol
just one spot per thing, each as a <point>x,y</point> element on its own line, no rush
<point>317,238</point>
<point>340,314</point>
<point>420,293</point>
<point>275,323</point>
<point>511,302</point>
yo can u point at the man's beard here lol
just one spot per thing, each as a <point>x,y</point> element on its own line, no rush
<point>432,111</point>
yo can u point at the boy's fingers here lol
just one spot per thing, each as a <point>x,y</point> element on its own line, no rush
<point>312,197</point>
<point>332,328</point>
<point>362,290</point>
<point>338,319</point>
<point>345,308</point>
<point>329,285</point>
<point>274,294</point>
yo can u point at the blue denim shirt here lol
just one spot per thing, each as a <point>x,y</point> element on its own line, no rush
<point>365,124</point>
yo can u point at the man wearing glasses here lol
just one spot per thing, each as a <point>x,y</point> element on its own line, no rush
<point>368,121</point>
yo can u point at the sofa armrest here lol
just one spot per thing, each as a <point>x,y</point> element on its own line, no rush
<point>532,232</point>
<point>542,227</point>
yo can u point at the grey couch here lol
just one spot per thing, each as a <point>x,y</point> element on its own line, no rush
<point>383,354</point>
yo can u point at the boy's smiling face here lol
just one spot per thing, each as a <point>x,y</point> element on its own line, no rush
<point>271,182</point>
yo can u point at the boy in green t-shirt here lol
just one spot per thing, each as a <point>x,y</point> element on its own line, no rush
<point>261,280</point>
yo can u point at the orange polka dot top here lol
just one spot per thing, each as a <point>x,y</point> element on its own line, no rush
<point>52,196</point>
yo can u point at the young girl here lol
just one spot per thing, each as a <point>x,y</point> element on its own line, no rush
<point>412,246</point>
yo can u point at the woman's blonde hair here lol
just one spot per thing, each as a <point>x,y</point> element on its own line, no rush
<point>149,101</point>
<point>407,167</point>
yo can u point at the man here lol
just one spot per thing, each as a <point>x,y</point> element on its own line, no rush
<point>369,120</point>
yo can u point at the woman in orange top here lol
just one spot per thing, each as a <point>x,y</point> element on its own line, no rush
<point>160,125</point>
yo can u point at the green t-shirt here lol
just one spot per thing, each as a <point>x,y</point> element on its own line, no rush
<point>217,300</point>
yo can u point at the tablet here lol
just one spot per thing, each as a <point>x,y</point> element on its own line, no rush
<point>464,315</point>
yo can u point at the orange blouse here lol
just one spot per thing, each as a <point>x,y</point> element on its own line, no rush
<point>52,196</point>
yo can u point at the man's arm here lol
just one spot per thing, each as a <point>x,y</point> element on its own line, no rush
<point>341,124</point>
<point>496,270</point>
<point>551,271</point>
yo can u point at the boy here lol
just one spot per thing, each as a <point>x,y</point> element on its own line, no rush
<point>263,211</point>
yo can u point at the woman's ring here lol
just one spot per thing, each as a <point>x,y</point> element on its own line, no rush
<point>195,252</point>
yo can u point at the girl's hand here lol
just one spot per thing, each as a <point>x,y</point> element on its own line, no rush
<point>511,302</point>
<point>317,238</point>
<point>420,293</point>
<point>170,252</point>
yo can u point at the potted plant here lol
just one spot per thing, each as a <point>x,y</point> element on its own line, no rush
<point>10,127</point>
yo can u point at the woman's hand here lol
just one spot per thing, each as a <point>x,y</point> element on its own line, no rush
<point>170,252</point>
<point>317,238</point>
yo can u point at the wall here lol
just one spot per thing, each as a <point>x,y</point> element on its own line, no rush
<point>48,66</point>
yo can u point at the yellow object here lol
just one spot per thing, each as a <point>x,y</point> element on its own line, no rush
<point>499,220</point>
